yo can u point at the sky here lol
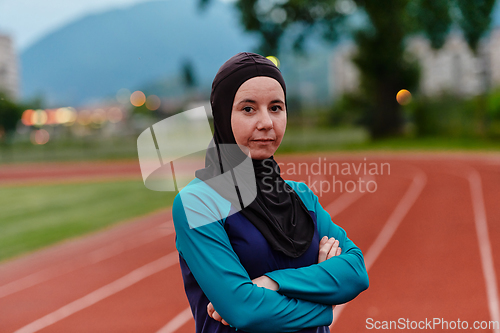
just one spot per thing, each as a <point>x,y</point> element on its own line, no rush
<point>26,21</point>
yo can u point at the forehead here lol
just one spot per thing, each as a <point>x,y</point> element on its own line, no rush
<point>260,86</point>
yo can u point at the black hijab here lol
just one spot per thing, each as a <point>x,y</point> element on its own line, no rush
<point>277,211</point>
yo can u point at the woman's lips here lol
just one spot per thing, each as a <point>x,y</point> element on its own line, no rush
<point>264,141</point>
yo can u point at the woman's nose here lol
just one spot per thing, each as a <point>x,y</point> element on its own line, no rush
<point>265,121</point>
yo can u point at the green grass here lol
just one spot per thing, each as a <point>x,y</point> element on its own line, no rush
<point>33,217</point>
<point>308,139</point>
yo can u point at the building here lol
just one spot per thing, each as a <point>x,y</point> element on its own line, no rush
<point>9,76</point>
<point>453,68</point>
<point>344,74</point>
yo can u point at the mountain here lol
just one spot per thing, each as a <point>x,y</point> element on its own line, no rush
<point>145,46</point>
<point>92,58</point>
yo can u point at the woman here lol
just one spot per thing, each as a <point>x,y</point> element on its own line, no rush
<point>257,266</point>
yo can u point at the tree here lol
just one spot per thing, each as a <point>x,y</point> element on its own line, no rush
<point>384,69</point>
<point>474,20</point>
<point>10,114</point>
<point>188,75</point>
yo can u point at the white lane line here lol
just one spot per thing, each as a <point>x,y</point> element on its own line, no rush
<point>87,259</point>
<point>484,245</point>
<point>177,322</point>
<point>102,293</point>
<point>390,227</point>
<point>346,199</point>
<point>397,216</point>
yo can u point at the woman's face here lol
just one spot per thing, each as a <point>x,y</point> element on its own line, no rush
<point>258,117</point>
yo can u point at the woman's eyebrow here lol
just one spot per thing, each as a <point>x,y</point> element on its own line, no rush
<point>247,101</point>
<point>254,102</point>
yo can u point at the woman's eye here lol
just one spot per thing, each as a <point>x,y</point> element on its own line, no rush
<point>247,109</point>
<point>276,108</point>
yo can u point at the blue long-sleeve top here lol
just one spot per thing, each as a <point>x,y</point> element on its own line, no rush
<point>220,252</point>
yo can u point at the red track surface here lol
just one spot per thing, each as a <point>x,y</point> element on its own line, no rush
<point>33,173</point>
<point>418,231</point>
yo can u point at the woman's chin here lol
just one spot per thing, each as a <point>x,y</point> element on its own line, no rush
<point>261,154</point>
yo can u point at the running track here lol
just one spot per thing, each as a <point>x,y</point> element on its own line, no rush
<point>430,234</point>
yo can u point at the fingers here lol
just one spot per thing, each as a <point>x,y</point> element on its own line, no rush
<point>210,309</point>
<point>328,248</point>
<point>213,314</point>
<point>216,316</point>
<point>333,249</point>
<point>324,247</point>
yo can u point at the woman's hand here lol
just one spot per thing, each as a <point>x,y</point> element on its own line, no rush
<point>212,313</point>
<point>262,281</point>
<point>328,248</point>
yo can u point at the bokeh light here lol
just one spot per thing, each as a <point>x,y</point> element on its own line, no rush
<point>84,117</point>
<point>123,96</point>
<point>51,117</point>
<point>98,117</point>
<point>39,118</point>
<point>39,137</point>
<point>114,115</point>
<point>137,98</point>
<point>278,15</point>
<point>274,60</point>
<point>346,7</point>
<point>403,97</point>
<point>66,116</point>
<point>26,117</point>
<point>153,102</point>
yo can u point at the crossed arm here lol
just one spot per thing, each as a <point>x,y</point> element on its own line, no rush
<point>299,301</point>
<point>328,248</point>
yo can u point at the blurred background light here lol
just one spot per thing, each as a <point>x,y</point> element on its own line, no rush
<point>278,15</point>
<point>66,116</point>
<point>137,98</point>
<point>84,117</point>
<point>275,60</point>
<point>345,7</point>
<point>153,102</point>
<point>123,96</point>
<point>51,117</point>
<point>39,118</point>
<point>403,97</point>
<point>27,117</point>
<point>39,137</point>
<point>114,115</point>
<point>98,116</point>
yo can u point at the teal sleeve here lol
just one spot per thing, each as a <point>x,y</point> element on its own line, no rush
<point>218,271</point>
<point>333,281</point>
